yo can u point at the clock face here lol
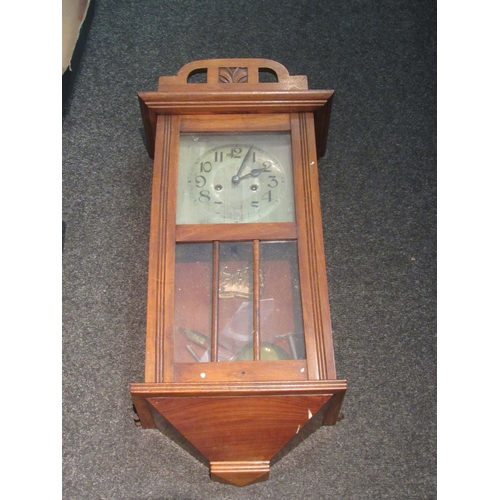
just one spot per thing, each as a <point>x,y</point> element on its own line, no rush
<point>231,178</point>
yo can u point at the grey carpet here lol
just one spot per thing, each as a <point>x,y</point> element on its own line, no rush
<point>378,194</point>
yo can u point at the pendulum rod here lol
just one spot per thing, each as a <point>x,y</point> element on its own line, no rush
<point>215,300</point>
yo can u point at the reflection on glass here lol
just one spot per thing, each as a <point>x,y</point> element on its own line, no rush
<point>193,302</point>
<point>235,177</point>
<point>214,302</point>
<point>268,352</point>
<point>283,327</point>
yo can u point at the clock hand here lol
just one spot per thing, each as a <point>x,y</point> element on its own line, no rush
<point>254,173</point>
<point>235,179</point>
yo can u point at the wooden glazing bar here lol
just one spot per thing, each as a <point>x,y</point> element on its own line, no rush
<point>242,371</point>
<point>256,300</point>
<point>236,232</point>
<point>235,123</point>
<point>215,299</point>
<point>301,165</point>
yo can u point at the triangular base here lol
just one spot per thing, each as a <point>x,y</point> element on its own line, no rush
<point>237,431</point>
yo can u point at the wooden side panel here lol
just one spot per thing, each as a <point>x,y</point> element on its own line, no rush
<point>143,410</point>
<point>168,344</point>
<point>149,119</point>
<point>314,288</point>
<point>334,406</point>
<point>156,271</point>
<point>161,255</point>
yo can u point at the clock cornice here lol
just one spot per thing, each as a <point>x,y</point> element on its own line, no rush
<point>290,94</point>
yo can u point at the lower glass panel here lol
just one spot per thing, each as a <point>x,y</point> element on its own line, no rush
<point>193,302</point>
<point>281,325</point>
<point>219,303</point>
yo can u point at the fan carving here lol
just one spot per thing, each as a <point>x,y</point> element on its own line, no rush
<point>233,75</point>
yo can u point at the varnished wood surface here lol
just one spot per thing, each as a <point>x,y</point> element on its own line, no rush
<point>166,428</point>
<point>238,414</point>
<point>288,95</point>
<point>215,303</point>
<point>307,231</point>
<point>259,426</point>
<point>312,267</point>
<point>265,231</point>
<point>333,412</point>
<point>236,102</point>
<point>237,371</point>
<point>223,73</point>
<point>202,416</point>
<point>205,102</point>
<point>265,425</point>
<point>240,473</point>
<point>236,123</point>
<point>160,259</point>
<point>242,388</point>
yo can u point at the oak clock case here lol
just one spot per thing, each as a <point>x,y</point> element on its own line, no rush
<point>239,354</point>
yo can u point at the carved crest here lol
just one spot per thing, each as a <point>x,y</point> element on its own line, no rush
<point>233,75</point>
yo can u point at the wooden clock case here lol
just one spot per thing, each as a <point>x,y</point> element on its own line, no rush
<point>237,417</point>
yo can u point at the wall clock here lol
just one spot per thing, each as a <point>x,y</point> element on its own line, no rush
<point>239,354</point>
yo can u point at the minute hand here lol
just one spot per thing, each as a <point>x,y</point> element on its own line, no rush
<point>235,179</point>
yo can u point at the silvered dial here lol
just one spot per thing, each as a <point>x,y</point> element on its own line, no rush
<point>236,183</point>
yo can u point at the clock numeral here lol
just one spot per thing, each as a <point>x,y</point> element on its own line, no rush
<point>219,156</point>
<point>204,196</point>
<point>236,152</point>
<point>273,181</point>
<point>267,196</point>
<point>255,204</point>
<point>205,166</point>
<point>200,181</point>
<point>217,209</point>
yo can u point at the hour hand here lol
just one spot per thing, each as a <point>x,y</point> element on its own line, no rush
<point>254,173</point>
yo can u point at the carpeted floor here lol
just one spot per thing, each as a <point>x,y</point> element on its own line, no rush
<point>378,195</point>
